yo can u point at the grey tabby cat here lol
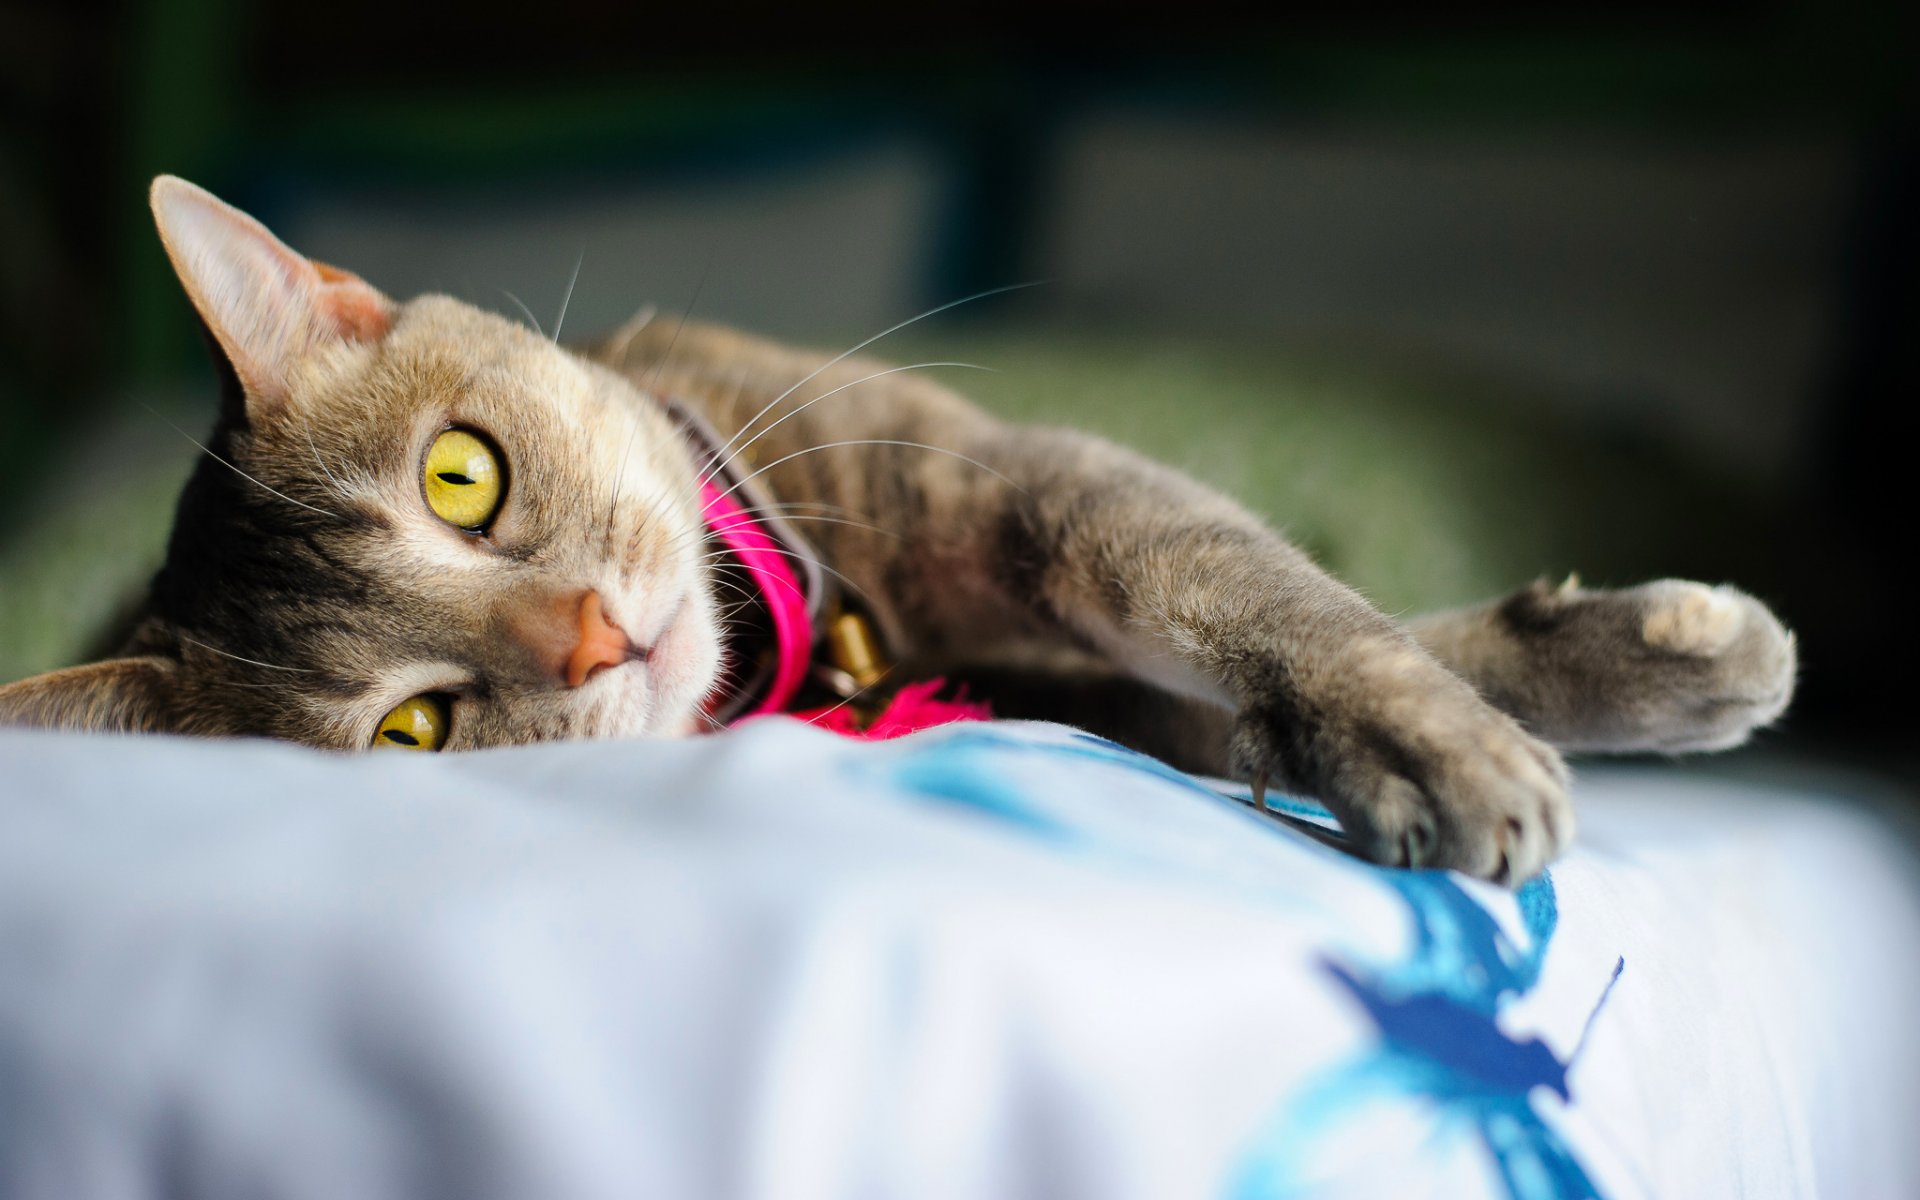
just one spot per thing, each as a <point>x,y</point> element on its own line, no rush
<point>421,524</point>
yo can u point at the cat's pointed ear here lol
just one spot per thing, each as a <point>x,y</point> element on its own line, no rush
<point>125,695</point>
<point>267,306</point>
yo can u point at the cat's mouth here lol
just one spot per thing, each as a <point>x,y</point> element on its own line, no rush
<point>632,654</point>
<point>679,653</point>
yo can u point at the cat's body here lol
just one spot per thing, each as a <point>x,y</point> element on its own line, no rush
<point>311,586</point>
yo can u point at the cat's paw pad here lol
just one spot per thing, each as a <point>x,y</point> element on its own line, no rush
<point>1692,618</point>
<point>1669,666</point>
<point>1444,781</point>
<point>1713,664</point>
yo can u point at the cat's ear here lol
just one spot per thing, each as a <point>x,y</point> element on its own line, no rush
<point>267,306</point>
<point>125,695</point>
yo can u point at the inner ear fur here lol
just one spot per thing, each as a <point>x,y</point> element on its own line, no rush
<point>122,695</point>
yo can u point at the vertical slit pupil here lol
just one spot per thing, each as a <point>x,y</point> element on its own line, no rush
<point>404,739</point>
<point>455,477</point>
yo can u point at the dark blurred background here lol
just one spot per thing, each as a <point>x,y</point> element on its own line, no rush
<point>1628,288</point>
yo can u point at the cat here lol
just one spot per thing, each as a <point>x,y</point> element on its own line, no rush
<point>420,524</point>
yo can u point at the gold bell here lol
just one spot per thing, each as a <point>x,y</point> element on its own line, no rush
<point>854,649</point>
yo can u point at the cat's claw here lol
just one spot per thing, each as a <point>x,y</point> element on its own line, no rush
<point>1428,777</point>
<point>1417,844</point>
<point>1733,662</point>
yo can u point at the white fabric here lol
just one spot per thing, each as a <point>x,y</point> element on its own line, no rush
<point>987,961</point>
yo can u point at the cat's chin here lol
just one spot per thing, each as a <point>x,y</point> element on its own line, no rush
<point>692,724</point>
<point>684,668</point>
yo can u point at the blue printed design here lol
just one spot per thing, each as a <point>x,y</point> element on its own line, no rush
<point>958,765</point>
<point>1100,749</point>
<point>1440,1043</point>
<point>951,769</point>
<point>1435,1011</point>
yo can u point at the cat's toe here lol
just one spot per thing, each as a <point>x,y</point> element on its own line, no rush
<point>1494,806</point>
<point>1503,804</point>
<point>1448,784</point>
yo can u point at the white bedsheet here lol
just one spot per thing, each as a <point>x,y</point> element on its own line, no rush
<point>988,961</point>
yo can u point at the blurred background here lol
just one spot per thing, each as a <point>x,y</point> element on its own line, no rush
<point>1624,288</point>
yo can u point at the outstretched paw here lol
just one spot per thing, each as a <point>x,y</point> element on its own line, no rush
<point>1669,666</point>
<point>1421,773</point>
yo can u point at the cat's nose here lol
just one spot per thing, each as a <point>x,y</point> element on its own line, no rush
<point>601,644</point>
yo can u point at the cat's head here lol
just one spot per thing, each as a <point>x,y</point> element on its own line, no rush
<point>414,521</point>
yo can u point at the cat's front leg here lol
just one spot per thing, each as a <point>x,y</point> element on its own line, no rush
<point>965,535</point>
<point>1184,589</point>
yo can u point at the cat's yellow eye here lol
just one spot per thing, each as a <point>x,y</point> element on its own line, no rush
<point>416,724</point>
<point>463,479</point>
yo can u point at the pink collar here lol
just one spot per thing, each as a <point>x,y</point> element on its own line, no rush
<point>792,589</point>
<point>767,562</point>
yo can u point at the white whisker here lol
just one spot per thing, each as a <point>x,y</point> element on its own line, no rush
<point>746,596</point>
<point>236,470</point>
<point>846,354</point>
<point>708,474</point>
<point>531,319</point>
<point>339,489</point>
<point>658,367</point>
<point>823,714</point>
<point>237,658</point>
<point>789,509</point>
<point>568,298</point>
<point>896,536</point>
<point>808,558</point>
<point>876,442</point>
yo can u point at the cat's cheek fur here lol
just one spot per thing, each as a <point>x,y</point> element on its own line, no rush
<point>685,667</point>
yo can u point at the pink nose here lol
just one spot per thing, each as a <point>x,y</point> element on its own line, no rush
<point>601,644</point>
